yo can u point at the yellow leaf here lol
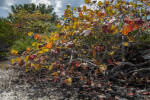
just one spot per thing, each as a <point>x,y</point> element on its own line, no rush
<point>103,67</point>
<point>111,53</point>
<point>74,8</point>
<point>26,70</point>
<point>68,81</point>
<point>100,3</point>
<point>84,51</point>
<point>33,44</point>
<point>114,29</point>
<point>18,59</point>
<point>94,54</point>
<point>39,45</point>
<point>79,55</point>
<point>30,33</point>
<point>123,59</point>
<point>126,44</point>
<point>51,67</point>
<point>32,65</point>
<point>123,2</point>
<point>26,58</point>
<point>2,66</point>
<point>40,52</point>
<point>45,50</point>
<point>12,61</point>
<point>6,68</point>
<point>101,19</point>
<point>133,4</point>
<point>87,1</point>
<point>58,26</point>
<point>46,66</point>
<point>55,73</point>
<point>14,52</point>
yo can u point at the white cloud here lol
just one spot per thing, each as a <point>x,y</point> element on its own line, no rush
<point>46,2</point>
<point>9,2</point>
<point>5,8</point>
<point>59,5</point>
<point>57,8</point>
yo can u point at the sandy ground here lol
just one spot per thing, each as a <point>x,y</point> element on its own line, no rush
<point>14,87</point>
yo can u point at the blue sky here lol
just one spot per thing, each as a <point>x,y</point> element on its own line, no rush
<point>59,5</point>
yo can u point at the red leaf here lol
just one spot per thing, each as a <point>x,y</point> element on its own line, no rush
<point>106,28</point>
<point>145,93</point>
<point>98,49</point>
<point>55,80</point>
<point>130,93</point>
<point>63,73</point>
<point>21,63</point>
<point>138,21</point>
<point>110,62</point>
<point>130,28</point>
<point>31,57</point>
<point>77,64</point>
<point>128,20</point>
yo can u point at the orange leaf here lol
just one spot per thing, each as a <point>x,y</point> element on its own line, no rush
<point>28,49</point>
<point>99,14</point>
<point>48,45</point>
<point>56,36</point>
<point>36,36</point>
<point>80,14</point>
<point>126,29</point>
<point>63,41</point>
<point>148,4</point>
<point>39,37</point>
<point>124,32</point>
<point>84,7</point>
<point>143,29</point>
<point>136,26</point>
<point>106,2</point>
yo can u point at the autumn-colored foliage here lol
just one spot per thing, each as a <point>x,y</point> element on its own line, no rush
<point>88,44</point>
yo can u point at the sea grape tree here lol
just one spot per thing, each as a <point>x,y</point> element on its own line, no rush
<point>95,39</point>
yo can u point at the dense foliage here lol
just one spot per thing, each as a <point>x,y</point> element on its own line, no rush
<point>7,35</point>
<point>96,42</point>
<point>31,18</point>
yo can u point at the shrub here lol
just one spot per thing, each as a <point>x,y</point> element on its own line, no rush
<point>84,48</point>
<point>22,44</point>
<point>7,36</point>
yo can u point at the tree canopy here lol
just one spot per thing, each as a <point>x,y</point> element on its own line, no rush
<point>31,17</point>
<point>32,7</point>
